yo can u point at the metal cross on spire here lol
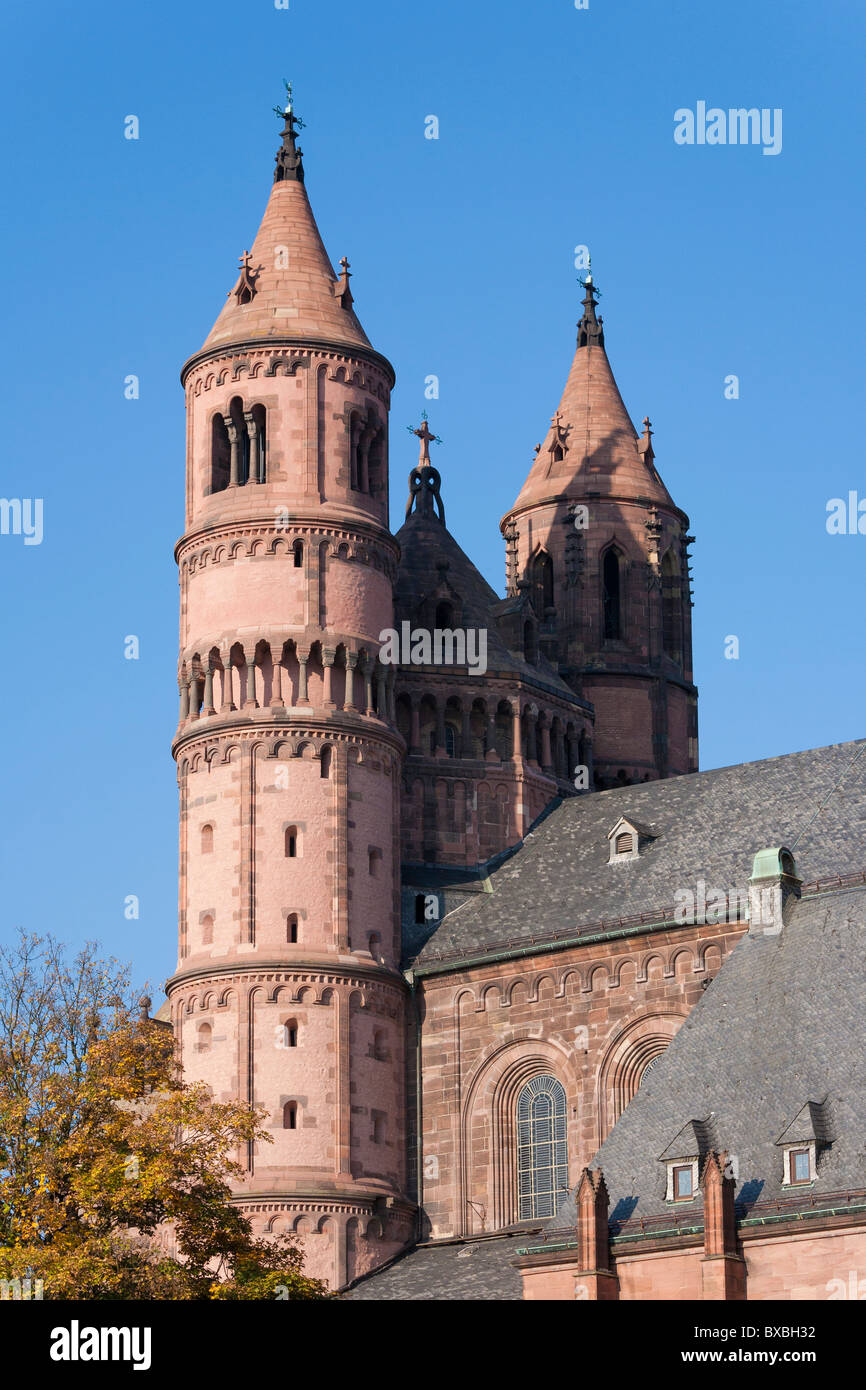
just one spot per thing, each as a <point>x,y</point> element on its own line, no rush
<point>424,433</point>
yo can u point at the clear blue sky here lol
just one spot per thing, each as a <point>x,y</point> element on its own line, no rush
<point>556,129</point>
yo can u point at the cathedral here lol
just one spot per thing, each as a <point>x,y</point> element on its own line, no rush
<point>535,1009</point>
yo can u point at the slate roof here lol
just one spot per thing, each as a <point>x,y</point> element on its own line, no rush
<point>781,1025</point>
<point>478,1270</point>
<point>706,826</point>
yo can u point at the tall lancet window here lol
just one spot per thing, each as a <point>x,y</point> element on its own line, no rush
<point>542,583</point>
<point>610,581</point>
<point>542,1153</point>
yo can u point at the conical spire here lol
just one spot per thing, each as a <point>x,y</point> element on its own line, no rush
<point>288,287</point>
<point>592,445</point>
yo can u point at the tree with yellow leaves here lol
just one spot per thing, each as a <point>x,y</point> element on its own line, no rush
<point>114,1173</point>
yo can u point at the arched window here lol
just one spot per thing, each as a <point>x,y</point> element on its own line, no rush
<point>290,1034</point>
<point>653,1061</point>
<point>205,1034</point>
<point>542,1155</point>
<point>671,607</point>
<point>220,454</point>
<point>291,838</point>
<point>298,554</point>
<point>542,582</point>
<point>207,839</point>
<point>611,595</point>
<point>375,946</point>
<point>374,862</point>
<point>207,930</point>
<point>325,762</point>
<point>450,741</point>
<point>290,1114</point>
<point>292,928</point>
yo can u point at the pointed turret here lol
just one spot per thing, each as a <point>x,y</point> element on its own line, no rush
<point>601,545</point>
<point>288,286</point>
<point>591,443</point>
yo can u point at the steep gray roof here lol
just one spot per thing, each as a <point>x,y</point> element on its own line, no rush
<point>472,1270</point>
<point>782,1025</point>
<point>707,825</point>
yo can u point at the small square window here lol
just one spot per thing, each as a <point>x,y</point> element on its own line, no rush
<point>683,1183</point>
<point>801,1166</point>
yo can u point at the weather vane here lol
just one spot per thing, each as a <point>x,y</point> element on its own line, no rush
<point>287,110</point>
<point>587,284</point>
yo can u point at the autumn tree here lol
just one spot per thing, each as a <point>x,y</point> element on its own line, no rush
<point>115,1175</point>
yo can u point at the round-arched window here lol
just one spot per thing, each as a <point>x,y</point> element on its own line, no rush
<point>542,1151</point>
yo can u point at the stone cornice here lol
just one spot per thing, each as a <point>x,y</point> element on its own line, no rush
<point>352,351</point>
<point>292,721</point>
<point>257,527</point>
<point>357,975</point>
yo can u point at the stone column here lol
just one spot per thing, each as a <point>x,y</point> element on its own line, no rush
<point>351,664</point>
<point>517,732</point>
<point>251,702</point>
<point>328,655</point>
<point>303,658</point>
<point>183,687</point>
<point>368,687</point>
<point>193,697</point>
<point>228,703</point>
<point>253,432</point>
<point>208,706</point>
<point>234,447</point>
<point>277,679</point>
<point>466,732</point>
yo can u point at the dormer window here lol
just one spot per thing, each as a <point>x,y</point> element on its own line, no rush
<point>627,839</point>
<point>684,1181</point>
<point>807,1136</point>
<point>683,1159</point>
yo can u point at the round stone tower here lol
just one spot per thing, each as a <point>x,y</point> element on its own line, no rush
<point>287,992</point>
<point>599,545</point>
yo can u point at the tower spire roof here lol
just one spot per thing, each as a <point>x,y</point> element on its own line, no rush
<point>288,286</point>
<point>592,445</point>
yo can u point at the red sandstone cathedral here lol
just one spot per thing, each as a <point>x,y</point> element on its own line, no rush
<point>535,1009</point>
